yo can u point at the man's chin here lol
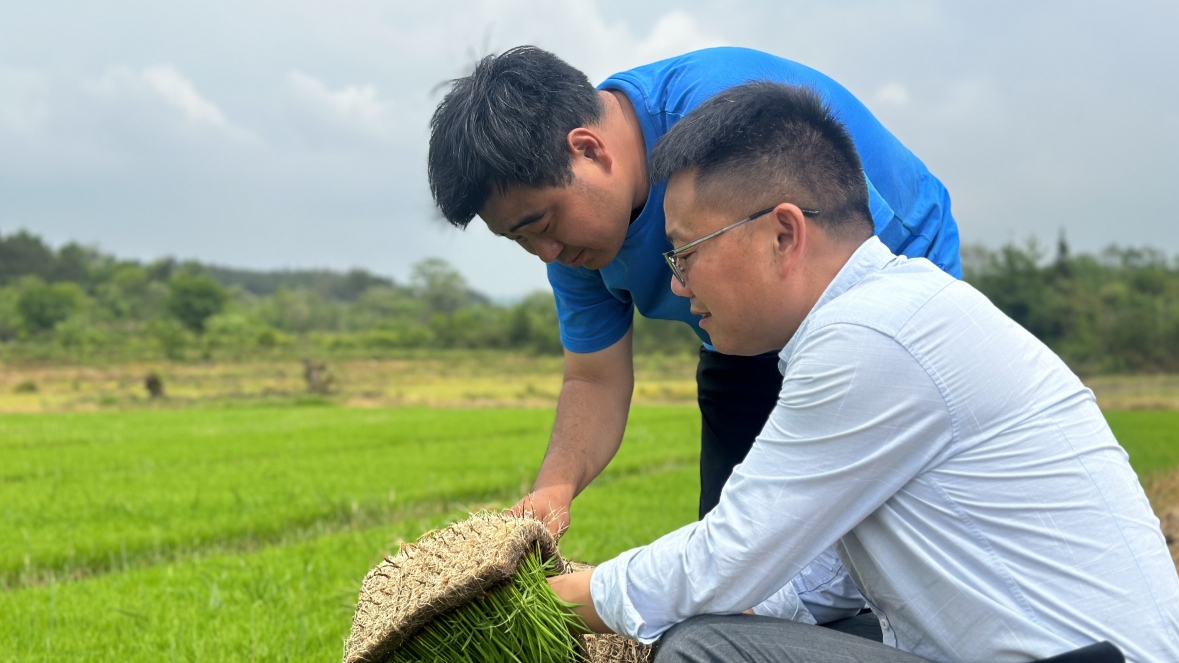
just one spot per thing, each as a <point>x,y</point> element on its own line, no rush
<point>739,347</point>
<point>596,261</point>
<point>598,258</point>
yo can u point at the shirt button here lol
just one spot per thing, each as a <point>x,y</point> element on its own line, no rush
<point>883,624</point>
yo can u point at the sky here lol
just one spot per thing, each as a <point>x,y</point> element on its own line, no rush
<point>269,134</point>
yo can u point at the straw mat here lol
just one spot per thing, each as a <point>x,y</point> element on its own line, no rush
<point>447,569</point>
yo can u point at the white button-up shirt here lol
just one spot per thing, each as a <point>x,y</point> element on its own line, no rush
<point>965,476</point>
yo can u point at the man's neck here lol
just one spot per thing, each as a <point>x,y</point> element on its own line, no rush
<point>623,124</point>
<point>823,264</point>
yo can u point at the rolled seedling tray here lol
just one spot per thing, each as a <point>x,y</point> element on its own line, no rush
<point>449,568</point>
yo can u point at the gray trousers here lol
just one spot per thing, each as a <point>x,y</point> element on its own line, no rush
<point>756,639</point>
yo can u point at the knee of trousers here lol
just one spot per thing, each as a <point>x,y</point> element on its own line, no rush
<point>694,640</point>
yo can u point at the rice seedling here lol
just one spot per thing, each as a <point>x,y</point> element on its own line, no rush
<point>521,622</point>
<point>476,592</point>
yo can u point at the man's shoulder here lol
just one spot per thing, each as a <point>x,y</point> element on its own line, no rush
<point>887,299</point>
<point>711,62</point>
<point>678,84</point>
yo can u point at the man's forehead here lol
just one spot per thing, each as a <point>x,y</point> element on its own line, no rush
<point>678,203</point>
<point>506,210</point>
<point>677,229</point>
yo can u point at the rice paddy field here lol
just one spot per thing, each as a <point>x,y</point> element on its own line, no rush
<point>209,531</point>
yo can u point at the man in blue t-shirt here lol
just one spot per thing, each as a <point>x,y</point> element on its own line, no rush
<point>550,162</point>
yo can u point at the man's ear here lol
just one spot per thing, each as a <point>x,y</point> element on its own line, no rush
<point>586,143</point>
<point>791,228</point>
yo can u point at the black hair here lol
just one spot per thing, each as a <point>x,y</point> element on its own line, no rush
<point>506,124</point>
<point>763,143</point>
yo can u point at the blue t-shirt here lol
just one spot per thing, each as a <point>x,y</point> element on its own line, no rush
<point>910,207</point>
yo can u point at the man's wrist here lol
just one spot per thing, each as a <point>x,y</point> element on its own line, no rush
<point>564,490</point>
<point>575,588</point>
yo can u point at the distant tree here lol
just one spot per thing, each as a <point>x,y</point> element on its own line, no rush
<point>42,305</point>
<point>194,298</point>
<point>130,278</point>
<point>532,324</point>
<point>354,284</point>
<point>380,305</point>
<point>79,334</point>
<point>123,292</point>
<point>24,254</point>
<point>440,286</point>
<point>10,319</point>
<point>328,284</point>
<point>653,336</point>
<point>76,263</point>
<point>1114,313</point>
<point>162,269</point>
<point>171,336</point>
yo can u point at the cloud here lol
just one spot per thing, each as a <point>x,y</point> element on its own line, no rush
<point>161,95</point>
<point>358,108</point>
<point>300,138</point>
<point>675,32</point>
<point>180,93</point>
<point>579,32</point>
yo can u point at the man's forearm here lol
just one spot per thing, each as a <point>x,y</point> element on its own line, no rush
<point>575,588</point>
<point>591,418</point>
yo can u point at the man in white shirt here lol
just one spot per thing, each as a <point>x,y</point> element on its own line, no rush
<point>964,475</point>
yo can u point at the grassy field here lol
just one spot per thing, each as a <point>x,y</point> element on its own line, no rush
<point>447,378</point>
<point>242,534</point>
<point>228,534</point>
<point>440,378</point>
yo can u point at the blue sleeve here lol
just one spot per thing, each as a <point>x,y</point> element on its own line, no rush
<point>592,317</point>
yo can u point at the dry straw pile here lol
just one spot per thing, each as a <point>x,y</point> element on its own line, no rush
<point>475,592</point>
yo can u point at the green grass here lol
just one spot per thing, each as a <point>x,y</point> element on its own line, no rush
<point>1150,437</point>
<point>86,493</point>
<point>282,603</point>
<point>238,535</point>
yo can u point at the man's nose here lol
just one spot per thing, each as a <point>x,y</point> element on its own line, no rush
<point>547,249</point>
<point>680,289</point>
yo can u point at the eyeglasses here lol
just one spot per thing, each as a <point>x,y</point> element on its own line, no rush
<point>673,256</point>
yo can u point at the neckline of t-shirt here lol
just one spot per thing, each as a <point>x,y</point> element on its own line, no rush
<point>638,101</point>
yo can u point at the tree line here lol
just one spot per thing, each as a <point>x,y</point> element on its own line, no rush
<point>77,303</point>
<point>1113,312</point>
<point>1116,311</point>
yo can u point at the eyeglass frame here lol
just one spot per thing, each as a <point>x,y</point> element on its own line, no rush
<point>670,256</point>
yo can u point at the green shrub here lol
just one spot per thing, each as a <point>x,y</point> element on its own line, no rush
<point>193,299</point>
<point>171,336</point>
<point>42,305</point>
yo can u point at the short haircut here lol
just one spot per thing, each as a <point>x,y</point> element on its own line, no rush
<point>504,125</point>
<point>761,144</point>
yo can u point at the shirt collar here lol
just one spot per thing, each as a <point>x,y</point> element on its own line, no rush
<point>870,257</point>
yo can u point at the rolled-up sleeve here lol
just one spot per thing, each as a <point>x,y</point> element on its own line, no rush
<point>858,417</point>
<point>592,317</point>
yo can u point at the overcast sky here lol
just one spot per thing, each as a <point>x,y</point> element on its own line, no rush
<point>294,134</point>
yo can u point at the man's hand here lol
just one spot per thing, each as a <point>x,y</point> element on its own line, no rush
<point>550,505</point>
<point>575,588</point>
<point>591,416</point>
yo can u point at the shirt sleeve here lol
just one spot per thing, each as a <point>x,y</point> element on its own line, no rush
<point>592,317</point>
<point>826,589</point>
<point>785,604</point>
<point>857,419</point>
